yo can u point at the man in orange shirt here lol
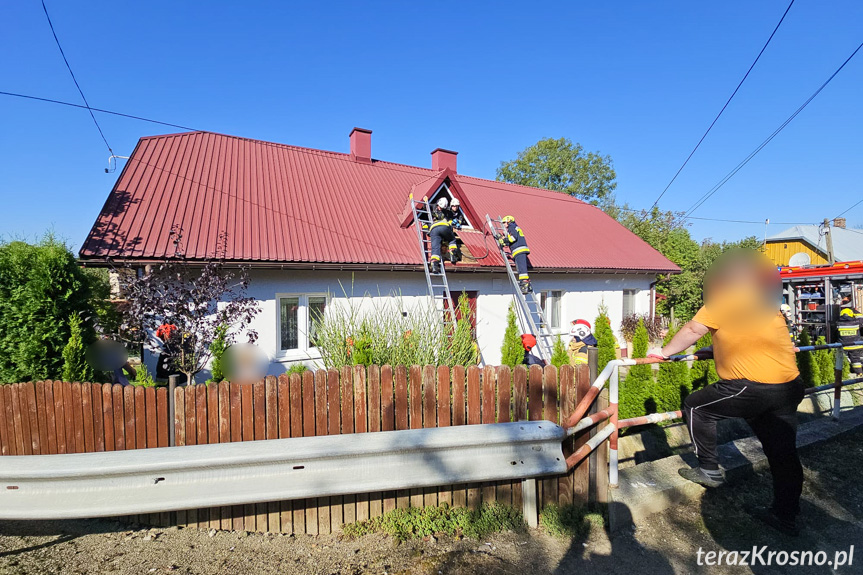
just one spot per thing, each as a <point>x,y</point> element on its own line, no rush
<point>759,380</point>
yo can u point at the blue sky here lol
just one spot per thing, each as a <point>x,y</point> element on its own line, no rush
<point>639,81</point>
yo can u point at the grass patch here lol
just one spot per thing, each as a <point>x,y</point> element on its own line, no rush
<point>415,522</point>
<point>570,521</point>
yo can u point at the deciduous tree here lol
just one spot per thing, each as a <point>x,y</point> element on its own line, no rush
<point>563,166</point>
<point>197,298</point>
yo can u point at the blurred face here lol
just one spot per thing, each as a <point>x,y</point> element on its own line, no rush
<point>580,331</point>
<point>743,282</point>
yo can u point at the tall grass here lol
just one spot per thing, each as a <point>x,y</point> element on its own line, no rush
<point>381,331</point>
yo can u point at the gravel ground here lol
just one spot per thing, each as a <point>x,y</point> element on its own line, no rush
<point>667,542</point>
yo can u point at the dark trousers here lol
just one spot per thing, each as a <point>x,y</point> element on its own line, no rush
<point>855,356</point>
<point>771,412</point>
<point>521,265</point>
<point>439,235</point>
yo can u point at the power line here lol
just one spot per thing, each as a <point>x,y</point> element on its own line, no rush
<point>759,222</point>
<point>74,79</point>
<point>692,153</point>
<point>849,209</point>
<point>62,103</point>
<point>775,133</point>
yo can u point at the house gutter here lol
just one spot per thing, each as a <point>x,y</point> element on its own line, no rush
<point>110,262</point>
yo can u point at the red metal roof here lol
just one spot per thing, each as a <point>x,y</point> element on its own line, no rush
<point>286,204</point>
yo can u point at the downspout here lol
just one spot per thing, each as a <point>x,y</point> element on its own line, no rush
<point>653,300</point>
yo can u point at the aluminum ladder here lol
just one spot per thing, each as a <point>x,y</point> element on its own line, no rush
<point>530,312</point>
<point>437,283</point>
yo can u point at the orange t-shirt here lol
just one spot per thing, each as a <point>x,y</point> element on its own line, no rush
<point>749,346</point>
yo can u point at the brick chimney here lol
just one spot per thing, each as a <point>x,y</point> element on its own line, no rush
<point>442,159</point>
<point>361,145</point>
<point>839,223</point>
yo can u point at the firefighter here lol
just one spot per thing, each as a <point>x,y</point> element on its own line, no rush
<point>518,249</point>
<point>849,333</point>
<point>581,340</point>
<point>441,231</point>
<point>458,219</point>
<point>528,342</point>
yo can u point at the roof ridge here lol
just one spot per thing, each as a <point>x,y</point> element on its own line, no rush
<point>304,149</point>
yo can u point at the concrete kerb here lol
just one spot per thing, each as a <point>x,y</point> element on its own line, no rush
<point>652,487</point>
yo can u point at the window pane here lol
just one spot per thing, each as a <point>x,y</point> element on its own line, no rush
<point>317,305</point>
<point>555,309</point>
<point>628,302</point>
<point>289,323</point>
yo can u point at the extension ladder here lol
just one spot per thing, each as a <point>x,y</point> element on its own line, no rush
<point>437,283</point>
<point>530,311</point>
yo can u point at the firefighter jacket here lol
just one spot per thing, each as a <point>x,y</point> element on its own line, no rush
<point>849,329</point>
<point>441,217</point>
<point>515,240</point>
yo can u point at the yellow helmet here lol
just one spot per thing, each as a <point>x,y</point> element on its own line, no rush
<point>507,219</point>
<point>847,312</point>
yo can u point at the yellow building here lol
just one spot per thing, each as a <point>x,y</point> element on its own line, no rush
<point>807,245</point>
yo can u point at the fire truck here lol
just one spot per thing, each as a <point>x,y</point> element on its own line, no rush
<point>817,293</point>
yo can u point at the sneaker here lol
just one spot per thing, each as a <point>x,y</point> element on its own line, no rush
<point>787,526</point>
<point>697,475</point>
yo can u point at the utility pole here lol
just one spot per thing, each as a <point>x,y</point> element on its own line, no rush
<point>826,225</point>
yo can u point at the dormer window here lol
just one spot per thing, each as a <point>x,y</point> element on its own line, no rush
<point>444,192</point>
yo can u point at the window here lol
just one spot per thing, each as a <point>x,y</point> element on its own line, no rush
<point>550,303</point>
<point>444,192</point>
<point>629,302</point>
<point>297,317</point>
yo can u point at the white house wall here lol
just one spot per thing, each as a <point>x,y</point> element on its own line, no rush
<point>582,296</point>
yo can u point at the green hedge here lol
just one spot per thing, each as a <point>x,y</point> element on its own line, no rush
<point>41,287</point>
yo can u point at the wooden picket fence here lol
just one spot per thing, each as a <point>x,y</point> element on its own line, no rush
<point>50,417</point>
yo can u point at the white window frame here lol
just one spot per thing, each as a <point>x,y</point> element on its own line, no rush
<point>546,293</point>
<point>303,350</point>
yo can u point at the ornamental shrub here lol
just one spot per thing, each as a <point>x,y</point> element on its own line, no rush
<point>673,383</point>
<point>75,366</point>
<point>823,362</point>
<point>41,287</point>
<point>808,373</point>
<point>636,389</point>
<point>559,355</point>
<point>217,349</point>
<point>511,351</point>
<point>605,342</point>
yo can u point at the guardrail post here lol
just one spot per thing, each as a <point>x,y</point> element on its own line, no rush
<point>613,395</point>
<point>530,505</point>
<point>837,372</point>
<point>593,364</point>
<point>173,380</point>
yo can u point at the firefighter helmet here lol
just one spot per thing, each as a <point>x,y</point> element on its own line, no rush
<point>455,203</point>
<point>507,219</point>
<point>442,203</point>
<point>847,312</point>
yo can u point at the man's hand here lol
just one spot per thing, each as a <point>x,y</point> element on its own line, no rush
<point>657,354</point>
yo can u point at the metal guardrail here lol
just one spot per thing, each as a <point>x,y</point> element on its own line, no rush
<point>167,479</point>
<point>577,422</point>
